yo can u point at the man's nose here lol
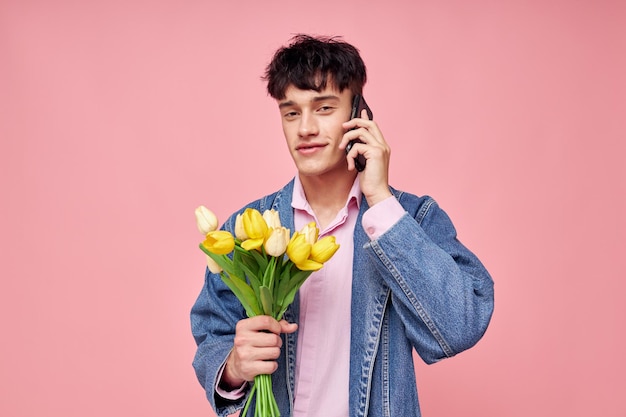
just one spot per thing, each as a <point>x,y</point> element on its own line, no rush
<point>308,125</point>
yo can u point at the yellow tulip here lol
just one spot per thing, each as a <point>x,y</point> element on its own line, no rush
<point>277,241</point>
<point>255,227</point>
<point>206,220</point>
<point>240,232</point>
<point>324,249</point>
<point>219,242</point>
<point>254,224</point>
<point>272,218</point>
<point>298,250</point>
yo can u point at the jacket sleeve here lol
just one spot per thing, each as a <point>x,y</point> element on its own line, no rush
<point>213,319</point>
<point>441,291</point>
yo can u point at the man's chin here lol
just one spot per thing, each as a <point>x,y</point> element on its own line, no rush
<point>310,169</point>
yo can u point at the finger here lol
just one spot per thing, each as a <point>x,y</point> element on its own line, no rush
<point>257,339</point>
<point>259,323</point>
<point>351,156</point>
<point>251,356</point>
<point>360,134</point>
<point>357,123</point>
<point>286,327</point>
<point>264,366</point>
<point>247,364</point>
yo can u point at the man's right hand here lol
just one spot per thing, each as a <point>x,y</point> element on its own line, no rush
<point>256,348</point>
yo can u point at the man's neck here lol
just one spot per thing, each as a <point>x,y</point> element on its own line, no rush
<point>327,196</point>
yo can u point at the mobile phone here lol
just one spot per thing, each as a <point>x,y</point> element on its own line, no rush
<point>358,105</point>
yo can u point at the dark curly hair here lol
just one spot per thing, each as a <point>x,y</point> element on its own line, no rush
<point>310,63</point>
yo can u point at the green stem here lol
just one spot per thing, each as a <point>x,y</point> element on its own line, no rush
<point>266,405</point>
<point>249,400</point>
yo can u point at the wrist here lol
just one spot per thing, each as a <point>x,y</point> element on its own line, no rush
<point>376,198</point>
<point>229,379</point>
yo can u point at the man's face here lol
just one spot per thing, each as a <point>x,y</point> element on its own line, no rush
<point>312,124</point>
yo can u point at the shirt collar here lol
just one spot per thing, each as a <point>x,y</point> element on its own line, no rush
<point>299,201</point>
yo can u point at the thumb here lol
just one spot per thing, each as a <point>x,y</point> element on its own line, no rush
<point>286,327</point>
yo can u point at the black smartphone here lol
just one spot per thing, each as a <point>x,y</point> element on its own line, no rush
<point>358,105</point>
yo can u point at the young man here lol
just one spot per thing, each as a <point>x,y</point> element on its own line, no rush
<point>400,281</point>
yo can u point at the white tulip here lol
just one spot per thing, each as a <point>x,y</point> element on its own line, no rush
<point>206,220</point>
<point>240,231</point>
<point>213,266</point>
<point>276,243</point>
<point>272,218</point>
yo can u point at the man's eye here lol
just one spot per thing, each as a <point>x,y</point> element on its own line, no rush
<point>325,109</point>
<point>290,115</point>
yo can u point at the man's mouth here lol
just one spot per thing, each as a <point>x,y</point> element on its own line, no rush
<point>310,147</point>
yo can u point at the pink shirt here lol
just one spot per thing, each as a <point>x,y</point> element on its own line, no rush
<point>323,349</point>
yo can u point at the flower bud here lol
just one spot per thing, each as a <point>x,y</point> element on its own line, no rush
<point>310,233</point>
<point>254,224</point>
<point>272,218</point>
<point>324,249</point>
<point>206,220</point>
<point>219,242</point>
<point>240,232</point>
<point>277,241</point>
<point>298,249</point>
<point>213,266</point>
<point>255,227</point>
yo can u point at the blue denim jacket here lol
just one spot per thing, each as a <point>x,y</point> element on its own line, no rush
<point>416,287</point>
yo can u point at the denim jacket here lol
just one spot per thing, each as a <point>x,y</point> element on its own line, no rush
<point>415,287</point>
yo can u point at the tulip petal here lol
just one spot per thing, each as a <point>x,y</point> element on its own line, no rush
<point>252,244</point>
<point>309,265</point>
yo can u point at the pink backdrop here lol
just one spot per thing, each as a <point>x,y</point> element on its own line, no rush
<point>118,118</point>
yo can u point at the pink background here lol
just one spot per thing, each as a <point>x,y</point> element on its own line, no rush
<point>118,118</point>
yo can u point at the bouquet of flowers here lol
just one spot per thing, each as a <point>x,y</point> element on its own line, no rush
<point>264,266</point>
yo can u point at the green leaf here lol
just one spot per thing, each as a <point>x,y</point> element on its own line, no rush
<point>298,279</point>
<point>251,263</point>
<point>245,294</point>
<point>237,261</point>
<point>260,259</point>
<point>282,287</point>
<point>255,282</point>
<point>268,276</point>
<point>250,311</point>
<point>247,256</point>
<point>266,300</point>
<point>294,284</point>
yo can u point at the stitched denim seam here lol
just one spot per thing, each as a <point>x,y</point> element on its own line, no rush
<point>424,210</point>
<point>385,358</point>
<point>371,352</point>
<point>412,299</point>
